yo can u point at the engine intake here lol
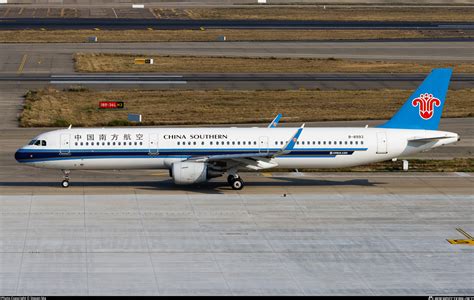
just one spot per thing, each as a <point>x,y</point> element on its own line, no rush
<point>189,172</point>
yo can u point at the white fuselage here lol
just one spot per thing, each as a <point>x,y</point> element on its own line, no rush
<point>159,148</point>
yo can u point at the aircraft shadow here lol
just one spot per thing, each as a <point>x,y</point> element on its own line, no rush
<point>212,187</point>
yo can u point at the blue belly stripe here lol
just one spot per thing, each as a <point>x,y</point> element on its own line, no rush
<point>35,155</point>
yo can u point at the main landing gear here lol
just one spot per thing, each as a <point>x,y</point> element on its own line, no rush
<point>235,182</point>
<point>65,182</point>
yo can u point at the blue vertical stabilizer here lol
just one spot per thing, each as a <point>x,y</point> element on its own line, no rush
<point>423,108</point>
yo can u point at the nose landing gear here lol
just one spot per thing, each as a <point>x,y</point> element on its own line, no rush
<point>65,182</point>
<point>235,182</point>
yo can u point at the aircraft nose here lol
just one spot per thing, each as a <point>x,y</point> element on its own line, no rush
<point>17,155</point>
<point>20,155</point>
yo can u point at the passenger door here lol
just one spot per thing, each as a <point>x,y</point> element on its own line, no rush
<point>381,143</point>
<point>153,144</point>
<point>65,144</point>
<point>263,144</point>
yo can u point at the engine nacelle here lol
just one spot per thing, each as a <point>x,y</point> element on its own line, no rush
<point>189,172</point>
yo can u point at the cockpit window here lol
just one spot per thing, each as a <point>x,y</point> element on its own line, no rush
<point>37,142</point>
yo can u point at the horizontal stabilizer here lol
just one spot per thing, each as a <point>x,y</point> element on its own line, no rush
<point>429,139</point>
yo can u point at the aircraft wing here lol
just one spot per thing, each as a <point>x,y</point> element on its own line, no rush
<point>256,160</point>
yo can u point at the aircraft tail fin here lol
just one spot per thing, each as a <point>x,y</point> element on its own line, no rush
<point>423,108</point>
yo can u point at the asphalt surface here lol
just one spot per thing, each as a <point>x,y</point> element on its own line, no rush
<point>234,77</point>
<point>48,53</point>
<point>29,65</point>
<point>124,23</point>
<point>227,81</point>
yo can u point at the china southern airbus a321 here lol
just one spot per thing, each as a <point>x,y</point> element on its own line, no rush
<point>194,155</point>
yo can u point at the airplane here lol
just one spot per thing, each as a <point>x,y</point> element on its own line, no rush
<point>195,155</point>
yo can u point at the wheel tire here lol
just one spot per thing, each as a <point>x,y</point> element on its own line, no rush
<point>237,184</point>
<point>65,184</point>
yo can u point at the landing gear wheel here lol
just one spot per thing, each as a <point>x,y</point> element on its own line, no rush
<point>237,184</point>
<point>65,182</point>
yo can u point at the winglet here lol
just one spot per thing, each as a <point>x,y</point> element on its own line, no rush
<point>291,143</point>
<point>275,121</point>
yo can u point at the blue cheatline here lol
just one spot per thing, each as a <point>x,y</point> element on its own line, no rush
<point>31,155</point>
<point>424,107</point>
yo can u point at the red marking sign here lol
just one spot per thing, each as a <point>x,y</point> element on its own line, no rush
<point>111,104</point>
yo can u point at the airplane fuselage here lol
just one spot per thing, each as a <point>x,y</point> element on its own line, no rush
<point>159,148</point>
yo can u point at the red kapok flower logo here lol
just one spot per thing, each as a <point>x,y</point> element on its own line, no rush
<point>426,103</point>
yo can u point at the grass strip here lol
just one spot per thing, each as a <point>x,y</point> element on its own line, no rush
<point>50,107</point>
<point>103,62</point>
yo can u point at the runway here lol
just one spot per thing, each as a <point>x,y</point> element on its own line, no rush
<point>144,23</point>
<point>250,81</point>
<point>48,54</point>
<point>232,77</point>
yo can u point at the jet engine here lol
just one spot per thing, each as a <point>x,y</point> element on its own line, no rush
<point>189,172</point>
